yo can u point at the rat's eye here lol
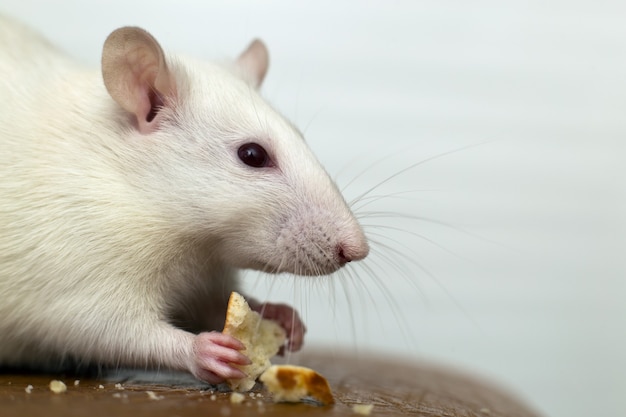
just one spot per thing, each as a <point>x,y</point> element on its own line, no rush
<point>254,155</point>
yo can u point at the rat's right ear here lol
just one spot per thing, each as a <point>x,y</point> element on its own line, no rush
<point>253,62</point>
<point>136,75</point>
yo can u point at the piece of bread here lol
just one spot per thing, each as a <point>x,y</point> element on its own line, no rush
<point>262,339</point>
<point>291,383</point>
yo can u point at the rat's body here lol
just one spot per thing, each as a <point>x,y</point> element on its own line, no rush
<point>127,207</point>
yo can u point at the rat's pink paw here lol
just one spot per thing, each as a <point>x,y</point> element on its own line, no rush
<point>214,356</point>
<point>288,318</point>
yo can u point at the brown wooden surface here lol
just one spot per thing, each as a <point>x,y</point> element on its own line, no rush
<point>394,388</point>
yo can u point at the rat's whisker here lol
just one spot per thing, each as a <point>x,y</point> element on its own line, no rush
<point>410,233</point>
<point>413,166</point>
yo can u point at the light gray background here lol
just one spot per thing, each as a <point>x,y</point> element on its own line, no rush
<point>514,243</point>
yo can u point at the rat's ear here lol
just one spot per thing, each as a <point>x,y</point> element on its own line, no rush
<point>135,74</point>
<point>253,62</point>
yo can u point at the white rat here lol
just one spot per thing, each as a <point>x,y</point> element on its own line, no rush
<point>130,198</point>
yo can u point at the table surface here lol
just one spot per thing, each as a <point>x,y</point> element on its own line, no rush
<point>393,388</point>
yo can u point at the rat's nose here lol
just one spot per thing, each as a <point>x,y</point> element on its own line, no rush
<point>352,252</point>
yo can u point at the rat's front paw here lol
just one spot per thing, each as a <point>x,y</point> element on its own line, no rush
<point>288,318</point>
<point>215,355</point>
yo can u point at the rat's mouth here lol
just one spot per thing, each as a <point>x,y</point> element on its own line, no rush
<point>302,268</point>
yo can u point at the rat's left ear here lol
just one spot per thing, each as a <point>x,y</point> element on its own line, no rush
<point>136,75</point>
<point>253,62</point>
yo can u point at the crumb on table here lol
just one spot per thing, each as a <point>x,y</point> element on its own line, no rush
<point>363,409</point>
<point>57,386</point>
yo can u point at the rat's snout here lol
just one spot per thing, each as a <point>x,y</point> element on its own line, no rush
<point>314,241</point>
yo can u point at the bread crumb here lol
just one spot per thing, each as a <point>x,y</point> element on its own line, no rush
<point>29,389</point>
<point>213,397</point>
<point>57,386</point>
<point>76,383</point>
<point>119,386</point>
<point>236,398</point>
<point>289,383</point>
<point>100,386</point>
<point>153,396</point>
<point>363,409</point>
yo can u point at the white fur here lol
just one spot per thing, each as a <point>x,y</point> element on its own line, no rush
<point>108,236</point>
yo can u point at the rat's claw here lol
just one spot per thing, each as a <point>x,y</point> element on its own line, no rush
<point>215,355</point>
<point>225,340</point>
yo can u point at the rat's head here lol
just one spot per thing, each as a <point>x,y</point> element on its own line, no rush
<point>222,165</point>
